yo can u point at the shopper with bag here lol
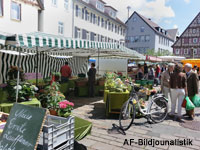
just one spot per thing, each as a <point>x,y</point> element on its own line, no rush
<point>192,86</point>
<point>178,88</point>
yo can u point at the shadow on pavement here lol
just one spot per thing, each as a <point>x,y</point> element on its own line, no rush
<point>78,146</point>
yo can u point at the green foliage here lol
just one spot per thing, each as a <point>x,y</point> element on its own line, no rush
<point>26,90</point>
<point>151,52</point>
<point>51,96</point>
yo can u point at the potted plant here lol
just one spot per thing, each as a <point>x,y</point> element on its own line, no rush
<point>26,90</point>
<point>65,108</point>
<point>51,96</point>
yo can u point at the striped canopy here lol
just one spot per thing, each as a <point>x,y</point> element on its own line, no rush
<point>59,45</point>
<point>3,37</point>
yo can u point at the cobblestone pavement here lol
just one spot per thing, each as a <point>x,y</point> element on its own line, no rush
<point>93,109</point>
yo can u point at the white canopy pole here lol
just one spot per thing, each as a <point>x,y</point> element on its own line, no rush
<point>18,74</point>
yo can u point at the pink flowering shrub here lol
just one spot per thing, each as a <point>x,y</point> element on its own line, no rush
<point>65,108</point>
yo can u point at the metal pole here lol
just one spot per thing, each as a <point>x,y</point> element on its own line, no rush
<point>37,58</point>
<point>18,75</point>
<point>98,59</point>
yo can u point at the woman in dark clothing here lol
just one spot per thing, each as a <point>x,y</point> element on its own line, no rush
<point>91,80</point>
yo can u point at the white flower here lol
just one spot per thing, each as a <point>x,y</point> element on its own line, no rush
<point>19,87</point>
<point>36,89</point>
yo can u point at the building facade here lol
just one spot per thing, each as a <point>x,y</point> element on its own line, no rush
<point>143,35</point>
<point>19,16</point>
<point>94,20</point>
<point>188,44</point>
<point>56,18</point>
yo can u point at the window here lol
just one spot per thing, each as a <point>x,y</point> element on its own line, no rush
<point>100,6</point>
<point>98,21</point>
<point>91,16</point>
<point>136,38</point>
<point>185,51</point>
<point>60,28</point>
<point>198,21</point>
<point>195,51</point>
<point>87,16</point>
<point>132,28</point>
<point>54,2</point>
<point>194,31</point>
<point>112,14</point>
<point>195,40</point>
<point>66,4</point>
<point>102,22</point>
<point>106,24</point>
<point>142,38</point>
<point>1,7</point>
<point>134,19</point>
<point>78,11</point>
<point>87,36</point>
<point>94,18</point>
<point>141,29</point>
<point>15,11</point>
<point>95,37</point>
<point>112,26</point>
<point>115,28</point>
<point>147,38</point>
<point>83,12</point>
<point>177,51</point>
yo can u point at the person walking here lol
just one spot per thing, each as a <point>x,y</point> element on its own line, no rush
<point>65,73</point>
<point>146,71</point>
<point>158,71</point>
<point>165,77</point>
<point>91,80</point>
<point>151,73</point>
<point>140,73</point>
<point>178,86</point>
<point>192,86</point>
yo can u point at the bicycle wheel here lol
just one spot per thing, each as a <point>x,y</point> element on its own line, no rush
<point>127,115</point>
<point>158,110</point>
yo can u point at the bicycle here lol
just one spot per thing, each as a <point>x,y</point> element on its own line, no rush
<point>156,102</point>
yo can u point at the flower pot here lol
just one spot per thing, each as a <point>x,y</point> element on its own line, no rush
<point>101,82</point>
<point>53,112</point>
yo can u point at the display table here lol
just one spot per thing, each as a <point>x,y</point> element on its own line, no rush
<point>6,107</point>
<point>114,101</point>
<point>83,91</point>
<point>82,128</point>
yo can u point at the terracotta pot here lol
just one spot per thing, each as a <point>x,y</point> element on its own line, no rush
<point>53,112</point>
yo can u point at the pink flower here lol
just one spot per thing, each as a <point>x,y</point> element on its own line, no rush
<point>66,102</point>
<point>71,104</point>
<point>62,105</point>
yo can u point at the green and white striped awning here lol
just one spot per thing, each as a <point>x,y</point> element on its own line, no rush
<point>3,37</point>
<point>60,45</point>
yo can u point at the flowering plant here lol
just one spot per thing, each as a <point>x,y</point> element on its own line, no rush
<point>65,108</point>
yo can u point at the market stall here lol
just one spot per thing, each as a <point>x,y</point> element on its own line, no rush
<point>43,54</point>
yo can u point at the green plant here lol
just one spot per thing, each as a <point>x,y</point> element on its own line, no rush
<point>51,96</point>
<point>26,90</point>
<point>65,108</point>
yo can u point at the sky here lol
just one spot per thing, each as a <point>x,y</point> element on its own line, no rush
<point>166,13</point>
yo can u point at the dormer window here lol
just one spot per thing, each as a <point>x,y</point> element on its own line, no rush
<point>112,14</point>
<point>100,6</point>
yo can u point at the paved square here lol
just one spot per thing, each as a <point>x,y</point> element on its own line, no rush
<point>93,109</point>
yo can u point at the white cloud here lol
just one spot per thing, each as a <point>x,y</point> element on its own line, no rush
<point>167,21</point>
<point>187,1</point>
<point>175,26</point>
<point>154,9</point>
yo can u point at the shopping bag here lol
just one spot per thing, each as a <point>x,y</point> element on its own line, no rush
<point>196,100</point>
<point>184,103</point>
<point>189,104</point>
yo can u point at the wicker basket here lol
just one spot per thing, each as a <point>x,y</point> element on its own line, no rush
<point>101,82</point>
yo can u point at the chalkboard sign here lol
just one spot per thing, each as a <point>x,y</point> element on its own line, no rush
<point>23,127</point>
